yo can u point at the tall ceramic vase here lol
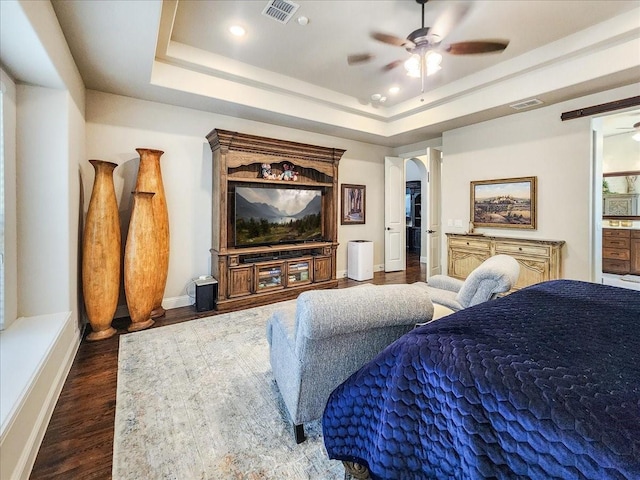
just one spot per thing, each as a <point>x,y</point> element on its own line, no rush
<point>150,180</point>
<point>101,253</point>
<point>140,262</point>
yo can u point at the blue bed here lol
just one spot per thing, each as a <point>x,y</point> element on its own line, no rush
<point>543,383</point>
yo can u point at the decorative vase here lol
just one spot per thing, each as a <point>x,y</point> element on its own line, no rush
<point>101,253</point>
<point>140,259</point>
<point>150,180</point>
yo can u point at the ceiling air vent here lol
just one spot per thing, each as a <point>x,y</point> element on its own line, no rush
<point>280,10</point>
<point>526,104</point>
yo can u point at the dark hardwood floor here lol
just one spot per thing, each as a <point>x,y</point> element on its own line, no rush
<point>78,443</point>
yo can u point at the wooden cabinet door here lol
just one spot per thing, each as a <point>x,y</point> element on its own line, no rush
<point>620,267</point>
<point>321,269</point>
<point>635,255</point>
<point>532,271</point>
<point>269,276</point>
<point>615,233</point>
<point>616,251</point>
<point>466,254</point>
<point>463,262</point>
<point>240,281</point>
<point>299,271</point>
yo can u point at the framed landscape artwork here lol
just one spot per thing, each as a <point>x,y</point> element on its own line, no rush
<point>505,203</point>
<point>353,204</point>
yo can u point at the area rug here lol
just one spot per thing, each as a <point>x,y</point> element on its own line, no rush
<point>197,400</point>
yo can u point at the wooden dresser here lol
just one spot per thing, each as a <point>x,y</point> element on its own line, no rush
<point>540,260</point>
<point>621,251</point>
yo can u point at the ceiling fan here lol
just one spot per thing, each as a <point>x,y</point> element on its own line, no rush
<point>635,130</point>
<point>424,44</point>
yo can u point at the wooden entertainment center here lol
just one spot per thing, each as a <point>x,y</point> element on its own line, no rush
<point>261,274</point>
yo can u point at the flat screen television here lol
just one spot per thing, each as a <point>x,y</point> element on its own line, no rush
<point>268,215</point>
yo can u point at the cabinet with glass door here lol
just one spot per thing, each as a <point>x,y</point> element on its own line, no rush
<point>299,271</point>
<point>269,276</point>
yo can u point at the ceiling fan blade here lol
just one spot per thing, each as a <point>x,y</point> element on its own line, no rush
<point>447,21</point>
<point>392,40</point>
<point>359,58</point>
<point>392,65</point>
<point>470,48</point>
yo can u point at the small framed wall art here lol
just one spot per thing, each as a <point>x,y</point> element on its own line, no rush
<point>353,204</point>
<point>504,203</point>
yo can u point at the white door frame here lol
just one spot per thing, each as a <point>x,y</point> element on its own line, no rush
<point>597,167</point>
<point>434,232</point>
<point>416,155</point>
<point>595,240</point>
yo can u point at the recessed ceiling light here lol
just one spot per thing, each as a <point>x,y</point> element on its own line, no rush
<point>394,90</point>
<point>303,21</point>
<point>376,97</point>
<point>237,30</point>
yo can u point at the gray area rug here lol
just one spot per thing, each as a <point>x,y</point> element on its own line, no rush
<point>197,400</point>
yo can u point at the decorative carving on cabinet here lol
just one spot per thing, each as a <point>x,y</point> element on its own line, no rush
<point>535,266</point>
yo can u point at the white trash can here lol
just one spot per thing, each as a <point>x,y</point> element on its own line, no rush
<point>360,260</point>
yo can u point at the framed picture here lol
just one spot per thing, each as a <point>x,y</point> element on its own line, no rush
<point>504,203</point>
<point>353,204</point>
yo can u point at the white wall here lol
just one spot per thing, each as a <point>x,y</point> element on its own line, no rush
<point>621,153</point>
<point>412,172</point>
<point>10,299</point>
<point>369,172</point>
<point>43,203</point>
<point>117,125</point>
<point>534,143</point>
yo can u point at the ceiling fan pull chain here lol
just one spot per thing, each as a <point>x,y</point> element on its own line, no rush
<point>423,64</point>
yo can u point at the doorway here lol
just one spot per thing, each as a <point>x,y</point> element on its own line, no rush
<point>413,206</point>
<point>616,187</point>
<point>415,181</point>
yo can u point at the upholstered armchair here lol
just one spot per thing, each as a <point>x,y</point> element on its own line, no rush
<point>330,334</point>
<point>497,274</point>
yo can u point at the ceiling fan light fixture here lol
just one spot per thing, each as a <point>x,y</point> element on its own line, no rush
<point>431,69</point>
<point>432,64</point>
<point>433,59</point>
<point>636,137</point>
<point>412,66</point>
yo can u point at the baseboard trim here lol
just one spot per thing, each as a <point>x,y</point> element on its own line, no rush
<point>176,302</point>
<point>28,420</point>
<point>167,303</point>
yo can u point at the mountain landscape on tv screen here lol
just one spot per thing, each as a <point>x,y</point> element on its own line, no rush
<point>264,221</point>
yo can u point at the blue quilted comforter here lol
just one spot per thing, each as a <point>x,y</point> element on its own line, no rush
<point>543,383</point>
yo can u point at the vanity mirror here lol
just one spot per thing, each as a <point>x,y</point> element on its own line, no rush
<point>621,195</point>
